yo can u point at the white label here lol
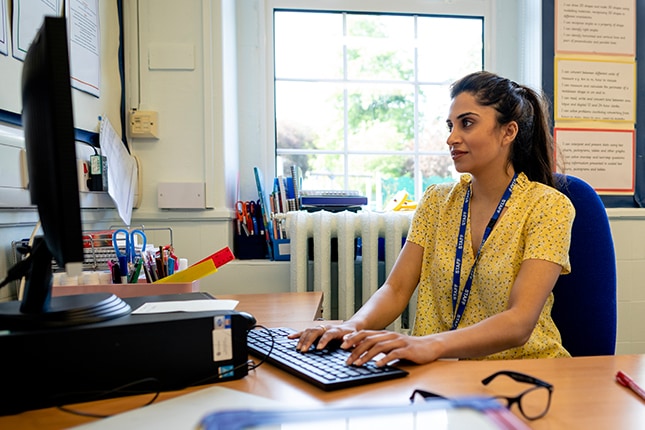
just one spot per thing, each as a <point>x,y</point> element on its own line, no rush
<point>222,339</point>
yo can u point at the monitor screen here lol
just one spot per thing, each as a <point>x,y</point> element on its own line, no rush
<point>47,119</point>
<point>48,125</point>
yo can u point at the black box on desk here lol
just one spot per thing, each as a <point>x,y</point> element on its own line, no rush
<point>44,368</point>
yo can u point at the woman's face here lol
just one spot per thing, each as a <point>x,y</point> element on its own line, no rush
<point>477,142</point>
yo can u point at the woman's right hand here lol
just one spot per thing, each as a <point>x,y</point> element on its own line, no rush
<point>324,332</point>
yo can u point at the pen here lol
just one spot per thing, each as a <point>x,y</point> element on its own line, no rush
<point>628,382</point>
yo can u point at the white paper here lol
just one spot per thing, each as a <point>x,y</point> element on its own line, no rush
<point>27,20</point>
<point>84,44</point>
<point>3,28</point>
<point>596,27</point>
<point>122,170</point>
<point>186,306</point>
<point>595,90</point>
<point>601,157</point>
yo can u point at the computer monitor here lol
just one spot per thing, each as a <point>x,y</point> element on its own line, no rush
<point>47,119</point>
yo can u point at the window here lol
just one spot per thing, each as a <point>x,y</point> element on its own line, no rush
<point>361,98</point>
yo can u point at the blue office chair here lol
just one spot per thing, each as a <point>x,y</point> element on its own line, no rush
<point>585,300</point>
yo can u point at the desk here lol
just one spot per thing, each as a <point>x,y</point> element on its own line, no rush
<point>585,393</point>
<point>279,309</point>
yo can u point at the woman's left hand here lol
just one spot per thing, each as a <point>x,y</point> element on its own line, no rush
<point>366,344</point>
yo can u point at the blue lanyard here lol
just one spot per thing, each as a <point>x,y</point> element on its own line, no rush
<point>458,308</point>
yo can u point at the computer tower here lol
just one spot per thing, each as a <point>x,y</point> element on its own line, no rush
<point>164,351</point>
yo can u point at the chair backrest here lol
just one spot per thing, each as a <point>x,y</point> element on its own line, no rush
<point>585,300</point>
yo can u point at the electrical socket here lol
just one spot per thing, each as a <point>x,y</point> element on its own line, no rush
<point>143,123</point>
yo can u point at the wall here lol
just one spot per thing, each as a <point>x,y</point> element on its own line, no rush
<point>628,230</point>
<point>196,103</point>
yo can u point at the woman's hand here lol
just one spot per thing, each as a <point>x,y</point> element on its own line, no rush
<point>367,344</point>
<point>324,332</point>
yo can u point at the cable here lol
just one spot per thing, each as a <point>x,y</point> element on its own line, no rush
<point>264,359</point>
<point>19,267</point>
<point>96,152</point>
<point>107,394</point>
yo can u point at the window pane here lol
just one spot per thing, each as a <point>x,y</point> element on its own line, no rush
<point>380,117</point>
<point>381,176</point>
<point>308,45</point>
<point>434,102</point>
<point>443,61</point>
<point>319,171</point>
<point>380,47</point>
<point>436,169</point>
<point>309,115</point>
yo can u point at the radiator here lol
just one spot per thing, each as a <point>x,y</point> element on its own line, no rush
<point>347,227</point>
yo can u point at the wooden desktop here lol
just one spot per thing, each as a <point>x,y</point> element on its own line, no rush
<point>585,394</point>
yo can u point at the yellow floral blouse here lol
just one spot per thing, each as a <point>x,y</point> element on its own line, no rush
<point>536,225</point>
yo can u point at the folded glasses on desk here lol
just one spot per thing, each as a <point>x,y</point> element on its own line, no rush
<point>533,402</point>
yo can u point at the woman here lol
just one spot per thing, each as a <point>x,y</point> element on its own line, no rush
<point>485,252</point>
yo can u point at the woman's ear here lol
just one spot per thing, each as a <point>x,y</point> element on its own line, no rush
<point>510,132</point>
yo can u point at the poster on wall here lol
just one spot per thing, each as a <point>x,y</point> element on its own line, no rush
<point>27,19</point>
<point>595,90</point>
<point>603,158</point>
<point>84,44</point>
<point>595,27</point>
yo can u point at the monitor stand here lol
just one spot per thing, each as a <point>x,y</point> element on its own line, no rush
<point>38,309</point>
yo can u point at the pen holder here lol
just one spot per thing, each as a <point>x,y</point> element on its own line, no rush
<point>250,247</point>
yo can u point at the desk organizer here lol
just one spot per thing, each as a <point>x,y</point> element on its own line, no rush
<point>97,246</point>
<point>250,247</point>
<point>128,290</point>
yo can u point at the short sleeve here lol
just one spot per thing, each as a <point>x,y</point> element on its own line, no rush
<point>549,230</point>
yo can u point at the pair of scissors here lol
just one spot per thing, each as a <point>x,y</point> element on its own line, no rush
<point>251,208</point>
<point>242,217</point>
<point>130,250</point>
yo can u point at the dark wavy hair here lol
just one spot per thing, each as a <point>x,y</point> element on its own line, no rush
<point>532,149</point>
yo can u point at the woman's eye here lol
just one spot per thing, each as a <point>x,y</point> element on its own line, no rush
<point>466,122</point>
<point>449,126</point>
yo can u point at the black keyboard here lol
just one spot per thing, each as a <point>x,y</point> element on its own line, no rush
<point>326,369</point>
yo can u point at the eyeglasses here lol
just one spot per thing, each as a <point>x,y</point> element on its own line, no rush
<point>533,403</point>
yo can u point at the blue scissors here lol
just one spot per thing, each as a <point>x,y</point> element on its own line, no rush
<point>130,240</point>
